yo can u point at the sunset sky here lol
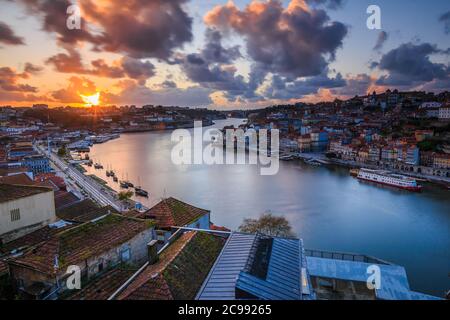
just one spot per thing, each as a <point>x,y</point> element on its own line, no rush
<point>219,54</point>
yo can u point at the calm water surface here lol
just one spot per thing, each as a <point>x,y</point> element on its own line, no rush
<point>328,208</point>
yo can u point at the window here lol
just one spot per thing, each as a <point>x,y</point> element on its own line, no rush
<point>125,254</point>
<point>15,215</point>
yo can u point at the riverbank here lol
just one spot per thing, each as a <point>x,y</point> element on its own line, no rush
<point>323,159</point>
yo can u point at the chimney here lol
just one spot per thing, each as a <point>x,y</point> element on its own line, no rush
<point>152,252</point>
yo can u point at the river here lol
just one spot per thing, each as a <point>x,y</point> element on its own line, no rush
<point>328,208</point>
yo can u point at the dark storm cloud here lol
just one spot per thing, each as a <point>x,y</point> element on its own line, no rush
<point>215,52</point>
<point>7,35</point>
<point>294,42</point>
<point>445,18</point>
<point>136,28</point>
<point>410,64</point>
<point>330,4</point>
<point>281,88</point>
<point>9,81</point>
<point>382,38</point>
<point>212,68</point>
<point>71,62</point>
<point>356,85</point>
<point>32,69</point>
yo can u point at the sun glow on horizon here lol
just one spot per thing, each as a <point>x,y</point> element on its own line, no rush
<point>92,100</point>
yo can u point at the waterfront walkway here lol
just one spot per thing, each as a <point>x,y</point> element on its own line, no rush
<point>95,190</point>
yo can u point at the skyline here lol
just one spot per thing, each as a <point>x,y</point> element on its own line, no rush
<point>239,54</point>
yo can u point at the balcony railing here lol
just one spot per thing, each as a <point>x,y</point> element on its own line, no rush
<point>345,256</point>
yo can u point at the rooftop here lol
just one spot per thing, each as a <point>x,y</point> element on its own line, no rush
<point>64,199</point>
<point>79,211</point>
<point>256,267</point>
<point>180,271</point>
<point>80,243</point>
<point>172,212</point>
<point>221,281</point>
<point>9,192</point>
<point>32,239</point>
<point>394,281</point>
<point>102,287</point>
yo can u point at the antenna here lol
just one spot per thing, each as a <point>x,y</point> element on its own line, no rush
<point>164,194</point>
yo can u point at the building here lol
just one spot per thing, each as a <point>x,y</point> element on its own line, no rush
<point>412,156</point>
<point>172,212</point>
<point>94,247</point>
<point>24,209</point>
<point>374,154</point>
<point>422,135</point>
<point>444,113</point>
<point>441,161</point>
<point>344,276</point>
<point>37,164</point>
<point>319,141</point>
<point>253,266</point>
<point>430,105</point>
<point>304,143</point>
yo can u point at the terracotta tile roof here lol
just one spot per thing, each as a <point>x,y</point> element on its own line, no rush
<point>84,211</point>
<point>53,178</point>
<point>212,226</point>
<point>180,271</point>
<point>7,171</point>
<point>104,286</point>
<point>82,242</point>
<point>64,199</point>
<point>9,192</point>
<point>172,212</point>
<point>3,268</point>
<point>32,239</point>
<point>19,179</point>
<point>73,211</point>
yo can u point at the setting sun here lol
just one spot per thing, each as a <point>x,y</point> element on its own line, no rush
<point>90,101</point>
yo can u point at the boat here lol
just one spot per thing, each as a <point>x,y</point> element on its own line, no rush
<point>390,179</point>
<point>354,172</point>
<point>141,192</point>
<point>130,184</point>
<point>313,162</point>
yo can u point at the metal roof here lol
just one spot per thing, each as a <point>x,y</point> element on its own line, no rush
<point>394,281</point>
<point>221,281</point>
<point>283,275</point>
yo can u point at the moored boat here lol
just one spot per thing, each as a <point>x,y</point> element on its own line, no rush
<point>354,172</point>
<point>389,179</point>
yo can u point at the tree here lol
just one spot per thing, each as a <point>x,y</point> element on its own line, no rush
<point>269,225</point>
<point>62,151</point>
<point>125,195</point>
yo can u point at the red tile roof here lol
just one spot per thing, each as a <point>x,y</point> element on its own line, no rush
<point>9,192</point>
<point>20,179</point>
<point>32,239</point>
<point>104,286</point>
<point>82,242</point>
<point>64,199</point>
<point>180,270</point>
<point>84,211</point>
<point>172,212</point>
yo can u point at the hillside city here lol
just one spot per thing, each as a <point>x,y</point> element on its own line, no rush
<point>56,216</point>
